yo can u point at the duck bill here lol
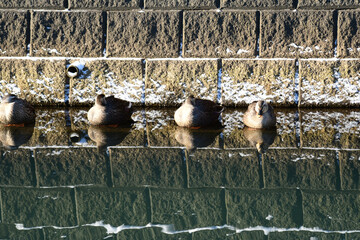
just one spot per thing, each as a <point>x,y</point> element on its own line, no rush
<point>259,115</point>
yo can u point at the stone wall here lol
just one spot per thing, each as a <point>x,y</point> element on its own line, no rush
<point>70,185</point>
<point>152,52</point>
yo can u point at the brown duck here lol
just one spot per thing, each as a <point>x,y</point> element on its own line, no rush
<point>260,114</point>
<point>110,111</point>
<point>195,112</point>
<point>16,111</point>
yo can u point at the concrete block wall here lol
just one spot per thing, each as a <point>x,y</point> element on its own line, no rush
<point>154,53</point>
<point>150,177</point>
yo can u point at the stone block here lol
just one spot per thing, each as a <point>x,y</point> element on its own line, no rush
<point>305,235</point>
<point>215,168</point>
<point>52,207</point>
<point>302,33</point>
<point>52,4</point>
<point>143,34</point>
<point>50,128</point>
<point>69,167</point>
<point>13,27</point>
<point>328,4</point>
<point>319,128</point>
<point>352,236</point>
<point>305,169</point>
<point>329,83</point>
<point>188,209</point>
<point>121,78</point>
<point>169,82</point>
<point>181,4</point>
<point>16,168</point>
<point>287,122</point>
<point>331,210</point>
<point>347,82</point>
<point>350,169</point>
<point>41,82</point>
<point>104,4</point>
<point>67,34</point>
<point>256,4</point>
<point>349,129</point>
<point>219,34</point>
<point>317,82</point>
<point>348,33</point>
<point>161,128</point>
<point>275,208</point>
<point>10,231</point>
<point>82,232</point>
<point>233,128</point>
<point>112,206</point>
<point>147,166</point>
<point>244,81</point>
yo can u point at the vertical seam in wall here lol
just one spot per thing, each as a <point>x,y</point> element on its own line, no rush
<point>295,4</point>
<point>29,51</point>
<point>300,84</point>
<point>1,207</point>
<point>67,86</point>
<point>225,210</point>
<point>76,206</point>
<point>36,176</point>
<point>35,181</point>
<point>299,201</point>
<point>340,169</point>
<point>335,31</point>
<point>186,157</point>
<point>143,69</point>
<point>104,35</point>
<point>66,4</point>
<point>110,179</point>
<point>149,207</point>
<point>181,31</point>
<point>219,76</point>
<point>297,128</point>
<point>296,83</point>
<point>261,171</point>
<point>28,33</point>
<point>337,169</point>
<point>258,47</point>
<point>218,4</point>
<point>257,32</point>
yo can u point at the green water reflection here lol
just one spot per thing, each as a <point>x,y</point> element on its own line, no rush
<point>153,180</point>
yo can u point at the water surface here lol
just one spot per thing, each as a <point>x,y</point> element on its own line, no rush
<point>63,179</point>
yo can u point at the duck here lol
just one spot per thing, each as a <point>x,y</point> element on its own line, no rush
<point>15,111</point>
<point>260,138</point>
<point>260,114</point>
<point>196,113</point>
<point>110,111</point>
<point>195,138</point>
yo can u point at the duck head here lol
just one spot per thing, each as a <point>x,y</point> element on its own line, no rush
<point>261,107</point>
<point>100,100</point>
<point>9,98</point>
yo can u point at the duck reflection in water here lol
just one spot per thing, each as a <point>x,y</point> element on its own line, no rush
<point>12,137</point>
<point>105,136</point>
<point>260,138</point>
<point>194,138</point>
